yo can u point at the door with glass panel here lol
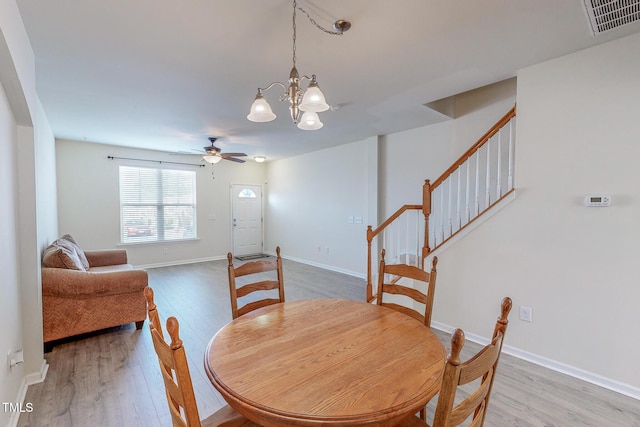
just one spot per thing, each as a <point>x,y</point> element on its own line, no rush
<point>246,219</point>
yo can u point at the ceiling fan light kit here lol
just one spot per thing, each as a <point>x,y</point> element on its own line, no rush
<point>259,159</point>
<point>210,158</point>
<point>213,154</point>
<point>311,101</point>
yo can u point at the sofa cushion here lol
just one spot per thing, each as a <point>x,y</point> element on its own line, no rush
<point>78,249</point>
<point>62,254</point>
<point>67,283</point>
<point>110,268</point>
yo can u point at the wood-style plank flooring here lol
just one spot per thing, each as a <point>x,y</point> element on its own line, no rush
<point>112,378</point>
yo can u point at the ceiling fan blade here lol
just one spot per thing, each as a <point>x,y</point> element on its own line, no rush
<point>233,154</point>
<point>233,159</point>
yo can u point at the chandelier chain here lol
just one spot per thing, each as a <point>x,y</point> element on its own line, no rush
<point>313,21</point>
<point>295,5</point>
<point>303,111</point>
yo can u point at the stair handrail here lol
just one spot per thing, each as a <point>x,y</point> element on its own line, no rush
<point>475,147</point>
<point>427,192</point>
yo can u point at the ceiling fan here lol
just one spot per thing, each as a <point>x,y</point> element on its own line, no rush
<point>213,154</point>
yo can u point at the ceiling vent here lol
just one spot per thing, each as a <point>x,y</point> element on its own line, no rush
<point>605,15</point>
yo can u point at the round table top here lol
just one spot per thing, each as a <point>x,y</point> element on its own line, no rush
<point>325,362</point>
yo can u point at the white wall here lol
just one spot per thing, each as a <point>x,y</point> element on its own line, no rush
<point>578,133</point>
<point>10,316</point>
<point>311,197</point>
<point>410,157</point>
<point>27,208</point>
<point>89,209</point>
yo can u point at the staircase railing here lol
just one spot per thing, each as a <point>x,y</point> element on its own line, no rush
<point>403,237</point>
<point>479,179</point>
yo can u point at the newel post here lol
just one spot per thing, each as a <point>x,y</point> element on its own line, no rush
<point>369,287</point>
<point>426,211</point>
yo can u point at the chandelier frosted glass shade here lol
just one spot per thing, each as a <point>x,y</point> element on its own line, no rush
<point>211,159</point>
<point>310,121</point>
<point>313,99</point>
<point>310,101</point>
<point>260,110</point>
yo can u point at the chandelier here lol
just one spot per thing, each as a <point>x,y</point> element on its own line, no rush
<point>309,102</point>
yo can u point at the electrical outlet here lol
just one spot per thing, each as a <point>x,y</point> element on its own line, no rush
<point>526,314</point>
<point>14,358</point>
<point>165,251</point>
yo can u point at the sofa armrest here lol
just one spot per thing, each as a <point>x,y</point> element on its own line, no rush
<point>106,257</point>
<point>64,283</point>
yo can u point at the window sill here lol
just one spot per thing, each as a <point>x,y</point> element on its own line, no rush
<point>158,242</point>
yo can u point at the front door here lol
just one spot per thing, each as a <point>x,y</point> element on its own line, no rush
<point>246,219</point>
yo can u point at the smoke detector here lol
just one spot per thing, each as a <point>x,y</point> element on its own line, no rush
<point>605,15</point>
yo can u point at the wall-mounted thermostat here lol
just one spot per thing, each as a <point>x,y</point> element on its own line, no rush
<point>597,200</point>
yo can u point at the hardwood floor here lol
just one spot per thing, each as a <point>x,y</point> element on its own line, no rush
<point>112,378</point>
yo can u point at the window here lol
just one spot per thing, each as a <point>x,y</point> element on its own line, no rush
<point>157,204</point>
<point>247,193</point>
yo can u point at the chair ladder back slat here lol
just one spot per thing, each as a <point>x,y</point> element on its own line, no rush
<point>409,271</point>
<point>481,366</point>
<point>412,293</point>
<point>254,267</point>
<point>174,368</point>
<point>471,403</point>
<point>176,377</point>
<point>256,305</point>
<point>402,309</point>
<point>262,284</point>
<point>399,271</point>
<point>478,365</point>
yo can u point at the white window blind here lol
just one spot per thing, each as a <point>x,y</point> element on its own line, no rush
<point>157,204</point>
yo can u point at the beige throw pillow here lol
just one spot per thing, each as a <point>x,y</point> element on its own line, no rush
<point>78,249</point>
<point>60,254</point>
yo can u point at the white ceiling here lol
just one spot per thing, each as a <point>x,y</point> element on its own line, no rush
<point>165,75</point>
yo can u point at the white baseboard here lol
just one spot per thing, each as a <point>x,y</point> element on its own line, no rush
<point>180,262</point>
<point>326,267</point>
<point>30,379</point>
<point>218,258</point>
<point>581,374</point>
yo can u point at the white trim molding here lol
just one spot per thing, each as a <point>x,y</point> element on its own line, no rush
<point>581,374</point>
<point>30,379</point>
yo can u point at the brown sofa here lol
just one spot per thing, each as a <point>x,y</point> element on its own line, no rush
<point>85,291</point>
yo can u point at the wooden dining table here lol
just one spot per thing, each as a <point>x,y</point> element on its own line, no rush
<point>326,362</point>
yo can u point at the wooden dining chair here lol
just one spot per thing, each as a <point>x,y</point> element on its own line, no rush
<point>389,284</point>
<point>177,379</point>
<point>253,270</point>
<point>480,368</point>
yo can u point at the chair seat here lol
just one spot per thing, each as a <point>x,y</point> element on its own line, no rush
<point>227,417</point>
